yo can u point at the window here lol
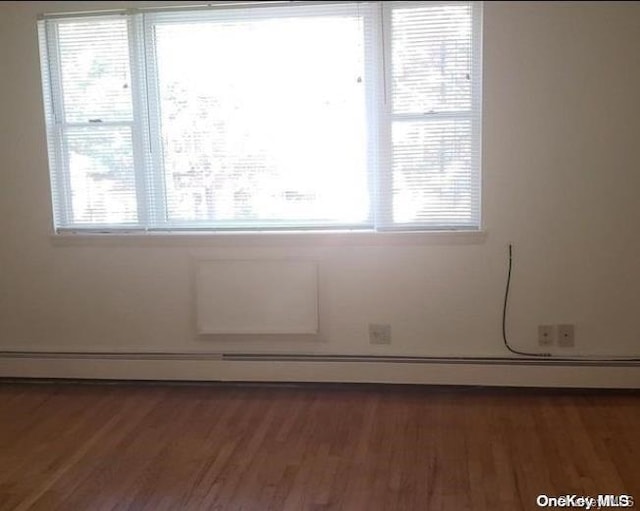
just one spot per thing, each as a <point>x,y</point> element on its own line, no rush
<point>362,116</point>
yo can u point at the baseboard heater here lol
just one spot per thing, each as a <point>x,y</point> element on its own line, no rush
<point>264,357</point>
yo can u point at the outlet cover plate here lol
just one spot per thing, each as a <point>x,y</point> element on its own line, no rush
<point>566,336</point>
<point>379,333</point>
<point>546,335</point>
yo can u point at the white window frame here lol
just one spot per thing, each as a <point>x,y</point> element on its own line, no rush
<point>146,136</point>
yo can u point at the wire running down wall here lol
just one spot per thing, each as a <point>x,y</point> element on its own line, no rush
<point>256,297</point>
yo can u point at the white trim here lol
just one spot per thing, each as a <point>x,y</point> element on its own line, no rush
<point>59,166</point>
<point>157,200</point>
<point>477,14</point>
<point>266,238</point>
<point>182,7</point>
<point>139,113</point>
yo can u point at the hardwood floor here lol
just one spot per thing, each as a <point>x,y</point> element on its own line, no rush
<point>156,447</point>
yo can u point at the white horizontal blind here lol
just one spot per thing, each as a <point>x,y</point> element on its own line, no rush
<point>432,170</point>
<point>270,117</point>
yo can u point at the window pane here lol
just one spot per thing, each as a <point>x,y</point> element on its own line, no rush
<point>264,121</point>
<point>101,175</point>
<point>432,173</point>
<point>431,58</point>
<point>94,66</point>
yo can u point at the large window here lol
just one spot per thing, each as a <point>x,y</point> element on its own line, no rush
<point>362,116</point>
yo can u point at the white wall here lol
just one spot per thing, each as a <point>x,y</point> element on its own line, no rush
<point>561,175</point>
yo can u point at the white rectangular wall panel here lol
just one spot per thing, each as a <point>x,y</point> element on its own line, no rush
<point>257,297</point>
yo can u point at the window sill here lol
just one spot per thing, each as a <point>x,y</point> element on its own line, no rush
<point>262,239</point>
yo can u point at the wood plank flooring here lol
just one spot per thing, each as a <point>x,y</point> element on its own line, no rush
<point>216,447</point>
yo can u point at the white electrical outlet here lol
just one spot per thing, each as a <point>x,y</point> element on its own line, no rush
<point>379,334</point>
<point>566,336</point>
<point>546,335</point>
